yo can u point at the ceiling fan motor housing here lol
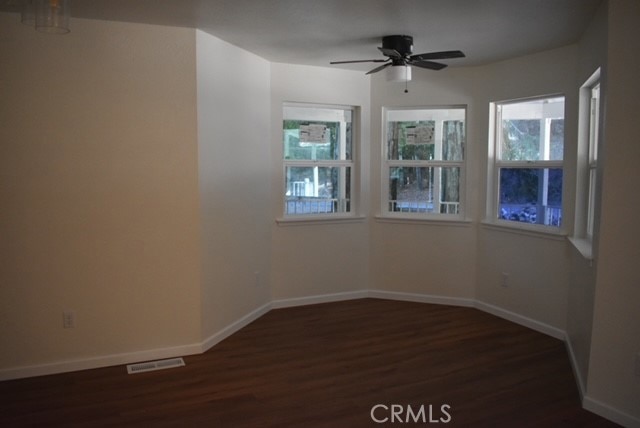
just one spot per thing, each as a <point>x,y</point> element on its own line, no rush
<point>401,44</point>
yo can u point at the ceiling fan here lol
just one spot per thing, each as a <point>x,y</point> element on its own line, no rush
<point>399,51</point>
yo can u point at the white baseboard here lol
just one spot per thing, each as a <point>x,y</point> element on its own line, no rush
<point>610,413</point>
<point>576,369</point>
<point>520,319</point>
<point>323,298</point>
<point>218,337</point>
<point>421,298</point>
<point>99,362</point>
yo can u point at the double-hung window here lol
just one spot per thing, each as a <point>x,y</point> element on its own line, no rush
<point>586,180</point>
<point>423,162</point>
<point>528,146</point>
<point>318,159</point>
<point>594,117</point>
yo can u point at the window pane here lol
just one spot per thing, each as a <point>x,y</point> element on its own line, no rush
<point>591,203</point>
<point>427,189</point>
<point>317,133</point>
<point>532,130</point>
<point>450,190</point>
<point>453,140</point>
<point>531,195</point>
<point>425,134</point>
<point>317,190</point>
<point>411,140</point>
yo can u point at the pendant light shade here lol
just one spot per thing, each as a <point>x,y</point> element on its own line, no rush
<point>399,73</point>
<point>52,16</point>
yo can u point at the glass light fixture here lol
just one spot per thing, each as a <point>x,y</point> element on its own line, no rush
<point>28,13</point>
<point>399,73</point>
<point>52,16</point>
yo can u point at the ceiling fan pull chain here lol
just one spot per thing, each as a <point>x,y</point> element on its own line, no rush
<point>406,79</point>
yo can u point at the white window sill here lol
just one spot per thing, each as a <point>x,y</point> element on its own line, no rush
<point>584,247</point>
<point>317,220</point>
<point>417,220</point>
<point>547,232</point>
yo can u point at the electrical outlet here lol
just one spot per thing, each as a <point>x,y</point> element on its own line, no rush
<point>68,319</point>
<point>505,279</point>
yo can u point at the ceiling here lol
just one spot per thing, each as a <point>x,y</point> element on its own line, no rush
<point>314,32</point>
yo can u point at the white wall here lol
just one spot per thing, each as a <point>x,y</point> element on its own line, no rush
<point>424,258</point>
<point>318,259</point>
<point>592,55</point>
<point>234,178</point>
<point>98,188</point>
<point>467,261</point>
<point>537,265</point>
<point>615,344</point>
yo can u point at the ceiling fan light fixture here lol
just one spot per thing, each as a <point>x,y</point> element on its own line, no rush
<point>52,16</point>
<point>399,73</point>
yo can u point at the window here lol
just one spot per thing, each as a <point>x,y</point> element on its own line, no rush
<point>594,117</point>
<point>318,159</point>
<point>423,162</point>
<point>586,182</point>
<point>527,165</point>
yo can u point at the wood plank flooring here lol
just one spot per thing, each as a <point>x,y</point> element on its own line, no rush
<point>328,365</point>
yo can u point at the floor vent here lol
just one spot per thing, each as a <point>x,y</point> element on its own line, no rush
<point>151,366</point>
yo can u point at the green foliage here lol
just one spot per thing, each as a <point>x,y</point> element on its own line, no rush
<point>520,140</point>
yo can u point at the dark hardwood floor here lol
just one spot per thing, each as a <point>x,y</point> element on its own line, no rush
<point>328,365</point>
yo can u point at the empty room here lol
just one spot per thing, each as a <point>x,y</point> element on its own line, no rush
<point>319,213</point>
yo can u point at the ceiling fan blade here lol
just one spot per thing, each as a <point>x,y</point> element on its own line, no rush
<point>358,60</point>
<point>437,55</point>
<point>375,70</point>
<point>428,64</point>
<point>390,53</point>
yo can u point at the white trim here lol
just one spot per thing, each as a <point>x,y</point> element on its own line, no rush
<point>610,413</point>
<point>538,326</point>
<point>316,219</point>
<point>423,219</point>
<point>421,298</point>
<point>506,226</point>
<point>99,362</point>
<point>322,298</point>
<point>583,246</point>
<point>234,327</point>
<point>582,390</point>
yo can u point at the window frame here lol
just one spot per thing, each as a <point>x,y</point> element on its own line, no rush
<point>352,163</point>
<point>387,164</point>
<point>587,171</point>
<point>496,163</point>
